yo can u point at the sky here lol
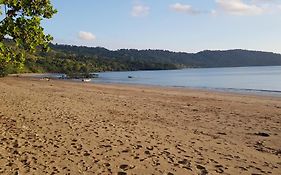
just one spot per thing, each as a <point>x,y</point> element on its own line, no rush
<point>176,25</point>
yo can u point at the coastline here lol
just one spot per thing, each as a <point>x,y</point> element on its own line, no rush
<point>242,92</point>
<point>249,92</point>
<point>84,128</point>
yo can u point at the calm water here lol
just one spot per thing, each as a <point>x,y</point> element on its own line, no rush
<point>243,79</point>
<point>259,79</point>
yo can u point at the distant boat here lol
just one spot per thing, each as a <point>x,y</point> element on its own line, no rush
<point>63,76</point>
<point>46,78</point>
<point>86,79</point>
<point>94,75</point>
<point>130,76</point>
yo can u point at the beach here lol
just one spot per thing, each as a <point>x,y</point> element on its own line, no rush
<point>62,127</point>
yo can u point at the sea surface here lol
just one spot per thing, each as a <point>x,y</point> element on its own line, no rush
<point>265,79</point>
<point>262,79</point>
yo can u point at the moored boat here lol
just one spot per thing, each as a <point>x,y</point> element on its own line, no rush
<point>94,75</point>
<point>86,79</point>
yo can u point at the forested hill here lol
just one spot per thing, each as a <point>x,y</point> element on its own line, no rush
<point>229,58</point>
<point>66,59</point>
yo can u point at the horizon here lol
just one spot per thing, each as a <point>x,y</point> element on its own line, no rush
<point>175,25</point>
<point>232,49</point>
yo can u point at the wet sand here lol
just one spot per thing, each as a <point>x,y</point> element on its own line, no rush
<point>57,127</point>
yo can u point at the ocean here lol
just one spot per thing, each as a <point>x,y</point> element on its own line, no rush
<point>265,79</point>
<point>260,79</point>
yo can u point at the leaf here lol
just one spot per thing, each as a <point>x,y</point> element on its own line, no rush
<point>23,24</point>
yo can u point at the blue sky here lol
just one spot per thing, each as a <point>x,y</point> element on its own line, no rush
<point>177,25</point>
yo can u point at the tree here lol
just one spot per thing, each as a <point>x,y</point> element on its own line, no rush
<point>21,22</point>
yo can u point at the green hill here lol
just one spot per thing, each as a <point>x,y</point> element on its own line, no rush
<point>69,59</point>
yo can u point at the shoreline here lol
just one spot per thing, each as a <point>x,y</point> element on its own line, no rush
<point>250,92</point>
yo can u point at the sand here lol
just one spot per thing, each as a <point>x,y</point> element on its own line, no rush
<point>59,127</point>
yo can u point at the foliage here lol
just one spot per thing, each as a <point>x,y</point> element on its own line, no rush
<point>22,22</point>
<point>73,59</point>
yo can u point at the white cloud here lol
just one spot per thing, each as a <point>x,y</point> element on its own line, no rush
<point>269,6</point>
<point>238,7</point>
<point>140,10</point>
<point>214,12</point>
<point>264,1</point>
<point>86,36</point>
<point>184,8</point>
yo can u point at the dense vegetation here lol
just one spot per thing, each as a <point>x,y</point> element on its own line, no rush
<point>21,21</point>
<point>75,59</point>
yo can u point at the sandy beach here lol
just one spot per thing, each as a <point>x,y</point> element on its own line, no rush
<point>60,127</point>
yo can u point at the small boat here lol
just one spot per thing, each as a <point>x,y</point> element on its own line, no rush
<point>46,78</point>
<point>63,77</point>
<point>86,79</point>
<point>94,75</point>
<point>130,76</point>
